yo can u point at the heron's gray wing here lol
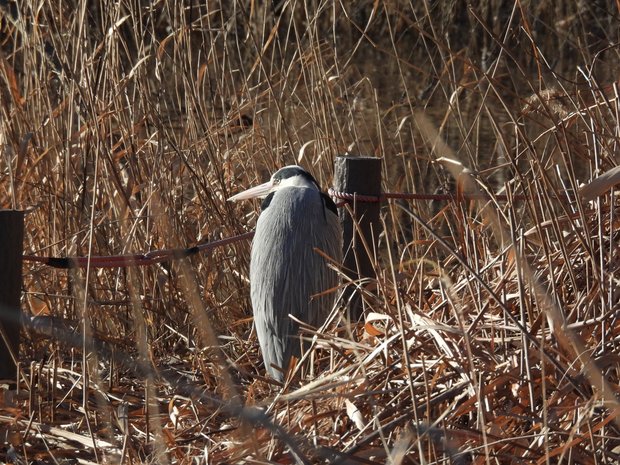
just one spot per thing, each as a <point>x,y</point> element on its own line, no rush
<point>285,271</point>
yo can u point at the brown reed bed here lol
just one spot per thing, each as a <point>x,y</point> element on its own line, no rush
<point>491,330</point>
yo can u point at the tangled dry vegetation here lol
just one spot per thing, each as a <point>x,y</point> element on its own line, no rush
<point>491,331</point>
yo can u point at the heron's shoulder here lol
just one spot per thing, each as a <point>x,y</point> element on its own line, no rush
<point>329,203</point>
<point>292,197</point>
<point>266,201</point>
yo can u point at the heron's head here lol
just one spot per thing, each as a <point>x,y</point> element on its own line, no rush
<point>289,176</point>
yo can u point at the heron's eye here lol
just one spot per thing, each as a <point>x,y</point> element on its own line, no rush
<point>277,181</point>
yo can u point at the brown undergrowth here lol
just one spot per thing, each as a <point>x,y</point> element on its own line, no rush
<point>491,330</point>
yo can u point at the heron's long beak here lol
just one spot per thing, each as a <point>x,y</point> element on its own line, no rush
<point>252,193</point>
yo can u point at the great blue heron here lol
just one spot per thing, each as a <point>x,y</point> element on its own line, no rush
<point>287,274</point>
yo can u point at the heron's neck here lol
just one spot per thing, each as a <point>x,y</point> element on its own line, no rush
<point>298,181</point>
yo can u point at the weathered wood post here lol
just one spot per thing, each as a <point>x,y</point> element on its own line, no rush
<point>361,176</point>
<point>11,251</point>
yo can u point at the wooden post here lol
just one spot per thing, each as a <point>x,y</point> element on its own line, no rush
<point>362,176</point>
<point>11,251</point>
